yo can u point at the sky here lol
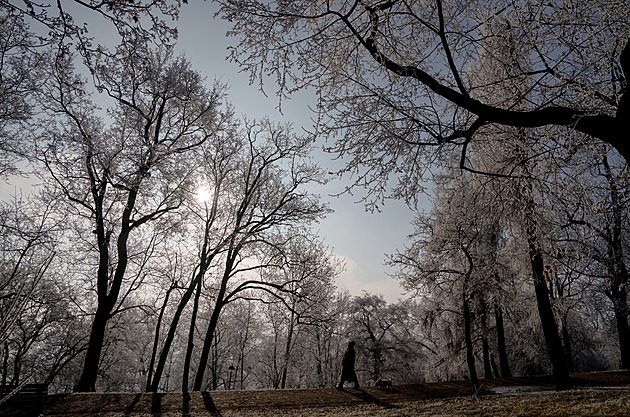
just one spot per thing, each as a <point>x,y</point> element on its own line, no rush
<point>361,239</point>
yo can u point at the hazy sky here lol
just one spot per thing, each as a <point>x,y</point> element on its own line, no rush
<point>361,239</point>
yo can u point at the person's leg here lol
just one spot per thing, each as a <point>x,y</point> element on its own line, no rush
<point>355,379</point>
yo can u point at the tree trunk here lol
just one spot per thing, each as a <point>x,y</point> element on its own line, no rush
<point>620,301</point>
<point>5,363</point>
<point>614,237</point>
<point>106,300</point>
<point>564,327</point>
<point>485,347</point>
<point>191,338</point>
<point>495,369</point>
<point>319,358</point>
<point>214,319</point>
<point>555,349</point>
<point>617,269</point>
<point>377,359</point>
<point>87,382</point>
<point>215,364</point>
<point>487,366</point>
<point>156,340</point>
<point>553,342</point>
<point>159,370</point>
<point>501,348</point>
<point>566,341</point>
<point>287,352</point>
<point>470,357</point>
<point>207,343</point>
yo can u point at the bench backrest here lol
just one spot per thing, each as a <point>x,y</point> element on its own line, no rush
<point>26,391</point>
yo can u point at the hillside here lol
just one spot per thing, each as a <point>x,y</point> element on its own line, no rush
<point>528,395</point>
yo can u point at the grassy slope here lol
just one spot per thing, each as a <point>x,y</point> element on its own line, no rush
<point>511,396</point>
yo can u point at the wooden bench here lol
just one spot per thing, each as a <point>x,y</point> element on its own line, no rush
<point>26,392</point>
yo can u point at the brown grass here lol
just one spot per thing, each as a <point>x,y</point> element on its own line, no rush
<point>600,394</point>
<point>584,402</point>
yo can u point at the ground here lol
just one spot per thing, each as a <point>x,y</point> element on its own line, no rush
<point>601,394</point>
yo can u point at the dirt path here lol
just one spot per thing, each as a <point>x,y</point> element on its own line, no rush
<point>213,403</point>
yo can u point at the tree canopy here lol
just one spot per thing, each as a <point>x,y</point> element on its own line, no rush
<point>396,79</point>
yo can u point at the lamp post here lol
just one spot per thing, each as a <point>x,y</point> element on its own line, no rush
<point>231,368</point>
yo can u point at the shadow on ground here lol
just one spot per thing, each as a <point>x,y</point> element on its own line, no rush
<point>212,403</point>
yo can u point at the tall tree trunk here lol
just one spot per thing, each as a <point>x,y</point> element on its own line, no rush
<point>495,369</point>
<point>555,349</point>
<point>487,366</point>
<point>5,363</point>
<point>470,356</point>
<point>215,364</point>
<point>87,382</point>
<point>191,338</point>
<point>106,300</point>
<point>319,358</point>
<point>619,298</point>
<point>231,256</point>
<point>287,352</point>
<point>501,347</point>
<point>566,341</point>
<point>485,346</point>
<point>207,343</point>
<point>205,257</point>
<point>618,271</point>
<point>559,367</point>
<point>564,327</point>
<point>170,336</point>
<point>156,340</point>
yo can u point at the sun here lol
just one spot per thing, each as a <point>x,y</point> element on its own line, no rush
<point>204,194</point>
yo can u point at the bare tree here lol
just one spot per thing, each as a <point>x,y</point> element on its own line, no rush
<point>270,206</point>
<point>593,215</point>
<point>118,178</point>
<point>28,248</point>
<point>399,72</point>
<point>21,74</point>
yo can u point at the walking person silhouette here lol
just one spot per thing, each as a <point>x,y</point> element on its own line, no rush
<point>347,367</point>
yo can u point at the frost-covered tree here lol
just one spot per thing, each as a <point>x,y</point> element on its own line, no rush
<point>398,86</point>
<point>592,210</point>
<point>388,342</point>
<point>21,72</point>
<point>396,78</point>
<point>27,248</point>
<point>270,205</point>
<point>121,173</point>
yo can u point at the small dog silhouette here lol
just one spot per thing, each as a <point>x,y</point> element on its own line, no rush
<point>384,383</point>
